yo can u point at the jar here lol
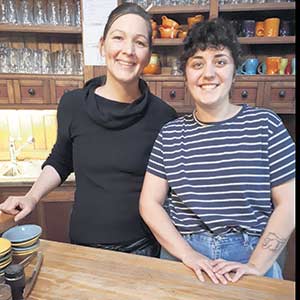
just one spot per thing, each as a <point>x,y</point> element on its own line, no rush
<point>5,292</point>
<point>154,65</point>
<point>15,277</point>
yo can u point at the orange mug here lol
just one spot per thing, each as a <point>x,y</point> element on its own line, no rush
<point>273,65</point>
<point>271,26</point>
<point>195,19</point>
<point>259,28</point>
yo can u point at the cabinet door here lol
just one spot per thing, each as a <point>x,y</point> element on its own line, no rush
<point>244,92</point>
<point>6,92</point>
<point>32,91</point>
<point>174,93</point>
<point>64,86</point>
<point>280,96</point>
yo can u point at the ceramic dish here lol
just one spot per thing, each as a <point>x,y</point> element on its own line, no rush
<point>5,245</point>
<point>27,243</point>
<point>22,233</point>
<point>5,263</point>
<point>21,253</point>
<point>5,257</point>
<point>22,249</point>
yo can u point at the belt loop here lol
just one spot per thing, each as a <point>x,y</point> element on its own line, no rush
<point>245,237</point>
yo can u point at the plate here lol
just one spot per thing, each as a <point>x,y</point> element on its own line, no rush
<point>22,233</point>
<point>5,245</point>
<point>21,249</point>
<point>26,243</point>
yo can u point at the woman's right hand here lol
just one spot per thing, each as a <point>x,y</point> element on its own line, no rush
<point>198,263</point>
<point>20,206</point>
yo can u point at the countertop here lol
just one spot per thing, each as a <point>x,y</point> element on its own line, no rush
<point>83,273</point>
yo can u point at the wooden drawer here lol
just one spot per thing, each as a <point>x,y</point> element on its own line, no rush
<point>244,92</point>
<point>175,94</point>
<point>32,91</point>
<point>6,92</point>
<point>64,86</point>
<point>280,96</point>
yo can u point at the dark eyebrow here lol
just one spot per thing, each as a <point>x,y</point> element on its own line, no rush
<point>123,32</point>
<point>215,56</point>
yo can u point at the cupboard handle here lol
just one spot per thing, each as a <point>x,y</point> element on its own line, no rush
<point>282,94</point>
<point>244,94</point>
<point>31,91</point>
<point>172,94</point>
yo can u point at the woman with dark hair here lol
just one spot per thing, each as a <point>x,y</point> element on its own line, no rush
<point>106,131</point>
<point>228,171</point>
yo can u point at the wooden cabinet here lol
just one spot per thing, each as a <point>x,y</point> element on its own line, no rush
<point>52,213</point>
<point>20,90</point>
<point>42,91</point>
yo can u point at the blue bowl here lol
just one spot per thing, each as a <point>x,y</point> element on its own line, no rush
<point>22,233</point>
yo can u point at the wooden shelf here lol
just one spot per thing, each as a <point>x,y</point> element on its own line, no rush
<point>40,76</point>
<point>259,78</point>
<point>167,42</point>
<point>41,29</point>
<point>177,9</point>
<point>257,7</point>
<point>268,40</point>
<point>242,40</point>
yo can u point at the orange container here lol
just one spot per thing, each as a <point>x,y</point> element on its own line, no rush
<point>168,23</point>
<point>273,65</point>
<point>259,28</point>
<point>271,26</point>
<point>168,33</point>
<point>154,65</point>
<point>195,19</point>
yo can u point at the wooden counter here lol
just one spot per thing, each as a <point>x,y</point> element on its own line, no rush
<point>82,273</point>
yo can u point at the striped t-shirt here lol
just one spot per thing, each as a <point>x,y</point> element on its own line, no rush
<point>221,175</point>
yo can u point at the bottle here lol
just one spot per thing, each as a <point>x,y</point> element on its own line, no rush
<point>15,277</point>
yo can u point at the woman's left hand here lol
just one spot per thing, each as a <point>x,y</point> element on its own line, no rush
<point>221,266</point>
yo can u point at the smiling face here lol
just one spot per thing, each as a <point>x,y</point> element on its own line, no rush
<point>209,76</point>
<point>126,48</point>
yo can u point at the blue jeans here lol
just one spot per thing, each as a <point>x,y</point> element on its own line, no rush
<point>231,246</point>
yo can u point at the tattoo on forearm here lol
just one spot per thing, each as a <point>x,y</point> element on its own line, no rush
<point>273,242</point>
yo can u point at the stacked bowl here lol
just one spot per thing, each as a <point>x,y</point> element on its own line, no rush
<point>5,254</point>
<point>24,239</point>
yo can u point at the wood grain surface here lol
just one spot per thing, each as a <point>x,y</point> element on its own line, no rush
<point>83,273</point>
<point>6,221</point>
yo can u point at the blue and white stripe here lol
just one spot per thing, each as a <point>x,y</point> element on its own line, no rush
<point>221,175</point>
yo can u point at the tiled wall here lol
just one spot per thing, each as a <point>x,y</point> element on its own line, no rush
<point>21,124</point>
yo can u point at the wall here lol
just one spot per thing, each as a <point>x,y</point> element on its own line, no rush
<point>20,124</point>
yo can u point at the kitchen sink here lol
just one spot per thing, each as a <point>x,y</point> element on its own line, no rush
<point>22,169</point>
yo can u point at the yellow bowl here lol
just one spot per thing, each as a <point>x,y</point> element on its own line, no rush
<point>5,245</point>
<point>5,263</point>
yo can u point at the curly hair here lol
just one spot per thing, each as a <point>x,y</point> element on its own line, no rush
<point>215,33</point>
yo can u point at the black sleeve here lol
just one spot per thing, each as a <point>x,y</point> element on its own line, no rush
<point>61,158</point>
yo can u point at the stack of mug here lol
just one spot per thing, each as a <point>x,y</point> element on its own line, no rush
<point>272,65</point>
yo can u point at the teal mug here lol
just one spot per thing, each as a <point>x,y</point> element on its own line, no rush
<point>249,66</point>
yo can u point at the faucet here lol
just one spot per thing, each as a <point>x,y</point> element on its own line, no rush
<point>13,153</point>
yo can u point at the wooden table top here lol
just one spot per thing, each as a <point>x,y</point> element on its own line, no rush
<point>83,273</point>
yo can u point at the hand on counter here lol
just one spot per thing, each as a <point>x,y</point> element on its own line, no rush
<point>198,263</point>
<point>221,267</point>
<point>20,206</point>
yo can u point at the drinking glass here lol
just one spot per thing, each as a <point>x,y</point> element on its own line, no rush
<point>67,13</point>
<point>39,12</point>
<point>26,59</point>
<point>3,13</point>
<point>25,12</point>
<point>77,13</point>
<point>37,61</point>
<point>78,62</point>
<point>53,9</point>
<point>4,60</point>
<point>46,62</point>
<point>11,11</point>
<point>14,60</point>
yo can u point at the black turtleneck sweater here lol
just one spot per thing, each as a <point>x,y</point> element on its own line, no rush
<point>107,144</point>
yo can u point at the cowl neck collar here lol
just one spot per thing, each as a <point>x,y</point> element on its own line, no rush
<point>113,114</point>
